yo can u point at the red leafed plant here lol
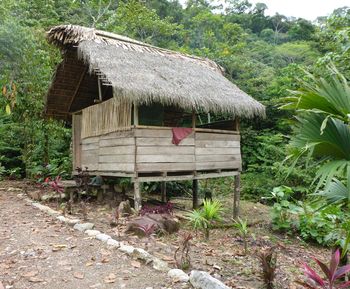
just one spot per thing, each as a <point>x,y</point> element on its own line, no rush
<point>333,274</point>
<point>161,209</point>
<point>56,186</point>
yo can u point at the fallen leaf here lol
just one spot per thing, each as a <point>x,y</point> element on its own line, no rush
<point>58,247</point>
<point>88,264</point>
<point>110,278</point>
<point>35,280</point>
<point>30,274</point>
<point>104,260</point>
<point>136,264</point>
<point>78,275</point>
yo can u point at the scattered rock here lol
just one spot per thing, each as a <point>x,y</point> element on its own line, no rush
<point>72,222</point>
<point>178,275</point>
<point>143,255</point>
<point>92,233</point>
<point>113,243</point>
<point>160,265</point>
<point>63,219</point>
<point>127,249</point>
<point>103,237</point>
<point>124,209</point>
<point>82,227</point>
<point>202,280</point>
<point>161,222</point>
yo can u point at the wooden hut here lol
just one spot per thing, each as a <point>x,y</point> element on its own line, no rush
<point>127,98</point>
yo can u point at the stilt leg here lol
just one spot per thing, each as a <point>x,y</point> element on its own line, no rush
<point>163,191</point>
<point>236,196</point>
<point>195,194</point>
<point>137,196</point>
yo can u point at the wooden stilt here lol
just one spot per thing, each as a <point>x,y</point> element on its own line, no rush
<point>137,196</point>
<point>195,194</point>
<point>236,195</point>
<point>163,191</point>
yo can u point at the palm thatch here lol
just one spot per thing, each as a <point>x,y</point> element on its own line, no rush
<point>143,74</point>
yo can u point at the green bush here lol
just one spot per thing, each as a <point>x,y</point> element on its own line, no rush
<point>313,221</point>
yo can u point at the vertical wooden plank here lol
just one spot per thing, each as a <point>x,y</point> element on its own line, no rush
<point>194,116</point>
<point>136,115</point>
<point>137,196</point>
<point>195,194</point>
<point>236,128</point>
<point>236,195</point>
<point>76,140</point>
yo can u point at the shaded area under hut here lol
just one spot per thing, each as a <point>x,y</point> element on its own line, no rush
<point>136,110</point>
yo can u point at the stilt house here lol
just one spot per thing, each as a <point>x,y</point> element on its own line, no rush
<point>135,109</point>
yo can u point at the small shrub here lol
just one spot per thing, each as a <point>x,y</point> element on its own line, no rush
<point>205,217</point>
<point>161,209</point>
<point>333,274</point>
<point>268,259</point>
<point>284,211</point>
<point>242,226</point>
<point>182,253</point>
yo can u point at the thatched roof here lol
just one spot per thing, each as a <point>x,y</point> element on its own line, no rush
<point>141,73</point>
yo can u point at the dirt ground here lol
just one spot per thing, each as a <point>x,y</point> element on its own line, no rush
<point>37,251</point>
<point>222,255</point>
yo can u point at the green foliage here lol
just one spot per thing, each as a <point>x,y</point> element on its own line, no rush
<point>243,229</point>
<point>322,129</point>
<point>313,221</point>
<point>321,225</point>
<point>284,209</point>
<point>205,217</point>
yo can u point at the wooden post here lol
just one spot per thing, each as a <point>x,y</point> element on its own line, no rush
<point>194,119</point>
<point>237,195</point>
<point>163,191</point>
<point>195,194</point>
<point>99,89</point>
<point>137,196</point>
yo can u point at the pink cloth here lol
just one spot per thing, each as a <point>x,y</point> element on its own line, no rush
<point>179,133</point>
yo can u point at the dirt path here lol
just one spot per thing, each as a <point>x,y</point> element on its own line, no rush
<point>37,251</point>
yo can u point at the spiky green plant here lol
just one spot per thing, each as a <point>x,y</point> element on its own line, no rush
<point>205,217</point>
<point>243,229</point>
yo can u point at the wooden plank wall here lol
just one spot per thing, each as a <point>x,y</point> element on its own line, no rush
<point>155,151</point>
<point>217,151</point>
<point>110,152</point>
<point>151,150</point>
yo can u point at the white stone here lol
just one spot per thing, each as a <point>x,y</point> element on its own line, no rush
<point>202,280</point>
<point>113,243</point>
<point>126,249</point>
<point>103,237</point>
<point>62,219</point>
<point>72,222</point>
<point>141,254</point>
<point>82,227</point>
<point>92,233</point>
<point>178,275</point>
<point>160,265</point>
